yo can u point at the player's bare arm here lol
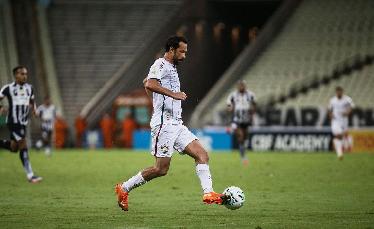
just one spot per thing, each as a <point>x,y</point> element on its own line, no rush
<point>154,86</point>
<point>331,115</point>
<point>348,112</point>
<point>33,108</point>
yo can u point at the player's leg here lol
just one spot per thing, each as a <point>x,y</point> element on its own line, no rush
<point>198,153</point>
<point>245,144</point>
<point>24,156</point>
<point>240,136</point>
<point>338,145</point>
<point>338,139</point>
<point>160,168</point>
<point>5,144</point>
<point>47,137</point>
<point>10,145</point>
<point>163,138</point>
<point>188,143</point>
<point>347,142</point>
<point>195,150</point>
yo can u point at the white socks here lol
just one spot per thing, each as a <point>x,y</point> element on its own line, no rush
<point>338,147</point>
<point>203,172</point>
<point>133,182</point>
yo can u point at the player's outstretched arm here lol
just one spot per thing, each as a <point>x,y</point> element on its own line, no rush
<point>154,86</point>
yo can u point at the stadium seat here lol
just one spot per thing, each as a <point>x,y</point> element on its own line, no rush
<point>92,40</point>
<point>318,37</point>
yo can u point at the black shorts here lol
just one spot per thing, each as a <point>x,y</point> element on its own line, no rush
<point>17,131</point>
<point>240,125</point>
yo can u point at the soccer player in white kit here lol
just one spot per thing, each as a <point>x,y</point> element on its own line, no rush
<point>167,129</point>
<point>241,103</point>
<point>47,114</point>
<point>340,108</point>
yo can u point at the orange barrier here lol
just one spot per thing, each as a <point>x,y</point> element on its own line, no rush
<point>363,141</point>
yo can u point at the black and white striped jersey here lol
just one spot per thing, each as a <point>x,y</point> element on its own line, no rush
<point>242,105</point>
<point>20,97</point>
<point>47,115</point>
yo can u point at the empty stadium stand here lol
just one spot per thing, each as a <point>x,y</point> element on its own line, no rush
<point>92,39</point>
<point>8,52</point>
<point>320,35</point>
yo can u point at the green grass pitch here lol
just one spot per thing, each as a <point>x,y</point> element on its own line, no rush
<point>283,190</point>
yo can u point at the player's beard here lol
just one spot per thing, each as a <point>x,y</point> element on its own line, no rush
<point>175,60</point>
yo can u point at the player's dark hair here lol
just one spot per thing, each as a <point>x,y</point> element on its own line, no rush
<point>17,68</point>
<point>173,42</point>
<point>338,88</point>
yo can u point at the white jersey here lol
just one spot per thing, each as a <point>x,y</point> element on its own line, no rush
<point>339,107</point>
<point>47,115</point>
<point>242,105</point>
<point>166,110</point>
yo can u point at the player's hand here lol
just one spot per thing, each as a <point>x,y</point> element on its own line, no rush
<point>180,95</point>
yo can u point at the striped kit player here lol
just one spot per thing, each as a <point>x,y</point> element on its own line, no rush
<point>241,103</point>
<point>20,96</point>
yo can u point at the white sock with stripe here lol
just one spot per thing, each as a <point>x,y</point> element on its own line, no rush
<point>203,172</point>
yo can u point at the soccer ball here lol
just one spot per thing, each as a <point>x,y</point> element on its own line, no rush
<point>236,197</point>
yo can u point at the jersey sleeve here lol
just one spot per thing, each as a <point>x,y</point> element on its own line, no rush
<point>4,91</point>
<point>156,71</point>
<point>230,100</point>
<point>350,102</point>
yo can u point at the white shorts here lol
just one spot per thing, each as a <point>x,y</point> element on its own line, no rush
<point>167,137</point>
<point>338,128</point>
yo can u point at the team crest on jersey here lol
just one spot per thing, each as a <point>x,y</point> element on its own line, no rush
<point>164,148</point>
